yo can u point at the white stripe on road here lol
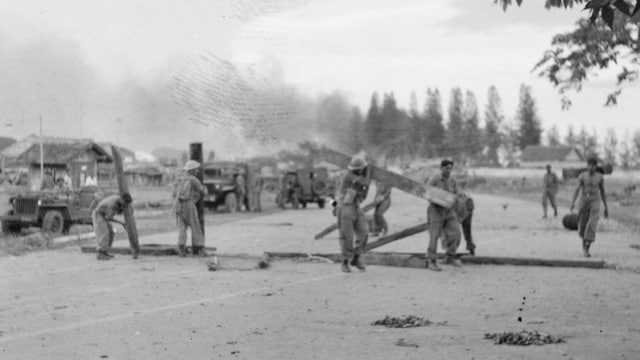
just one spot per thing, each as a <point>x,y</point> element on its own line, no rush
<point>130,315</point>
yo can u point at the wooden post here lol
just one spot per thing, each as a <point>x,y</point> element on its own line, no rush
<point>195,153</point>
<point>123,187</point>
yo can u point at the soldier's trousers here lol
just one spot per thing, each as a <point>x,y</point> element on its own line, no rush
<point>442,222</point>
<point>188,218</point>
<point>378,215</point>
<point>588,217</point>
<point>549,196</point>
<point>352,224</point>
<point>466,231</point>
<point>255,201</point>
<point>104,232</point>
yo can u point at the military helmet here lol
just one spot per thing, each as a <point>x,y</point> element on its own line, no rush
<point>191,165</point>
<point>357,164</point>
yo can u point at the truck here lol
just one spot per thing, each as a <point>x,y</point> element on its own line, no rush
<point>54,212</point>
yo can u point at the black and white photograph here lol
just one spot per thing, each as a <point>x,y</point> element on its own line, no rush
<point>319,179</point>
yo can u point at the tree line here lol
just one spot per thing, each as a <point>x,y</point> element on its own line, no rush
<point>471,135</point>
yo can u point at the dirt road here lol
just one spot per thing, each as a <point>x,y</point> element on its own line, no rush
<point>66,305</point>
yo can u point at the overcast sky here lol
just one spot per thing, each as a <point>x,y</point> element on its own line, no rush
<point>99,69</point>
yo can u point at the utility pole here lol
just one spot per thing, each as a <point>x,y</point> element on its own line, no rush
<point>41,153</point>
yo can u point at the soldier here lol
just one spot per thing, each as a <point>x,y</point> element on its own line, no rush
<point>102,216</point>
<point>351,220</point>
<point>187,193</point>
<point>464,211</point>
<point>241,192</point>
<point>256,187</point>
<point>47,181</point>
<point>443,221</point>
<point>550,189</point>
<point>592,185</point>
<point>383,202</point>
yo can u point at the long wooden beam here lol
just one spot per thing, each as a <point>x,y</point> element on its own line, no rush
<point>423,191</point>
<point>396,236</point>
<point>418,260</point>
<point>145,249</point>
<point>123,187</point>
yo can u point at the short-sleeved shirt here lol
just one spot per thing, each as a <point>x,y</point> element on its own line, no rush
<point>352,181</point>
<point>190,188</point>
<point>550,182</point>
<point>591,185</point>
<point>440,182</point>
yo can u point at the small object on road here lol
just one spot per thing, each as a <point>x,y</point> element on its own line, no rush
<point>570,221</point>
<point>404,321</point>
<point>212,264</point>
<point>523,338</point>
<point>403,342</point>
<point>264,262</point>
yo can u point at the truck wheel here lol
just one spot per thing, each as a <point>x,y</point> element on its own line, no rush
<point>230,203</point>
<point>321,203</point>
<point>53,223</point>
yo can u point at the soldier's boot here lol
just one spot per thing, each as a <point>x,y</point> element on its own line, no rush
<point>433,265</point>
<point>200,251</point>
<point>586,246</point>
<point>103,255</point>
<point>345,266</point>
<point>472,249</point>
<point>182,251</point>
<point>356,262</point>
<point>555,212</point>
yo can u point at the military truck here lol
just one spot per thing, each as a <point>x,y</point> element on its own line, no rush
<point>53,212</point>
<point>219,178</point>
<point>303,186</point>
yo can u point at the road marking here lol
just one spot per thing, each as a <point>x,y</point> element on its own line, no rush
<point>129,315</point>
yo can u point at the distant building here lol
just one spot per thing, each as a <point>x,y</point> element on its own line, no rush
<point>538,156</point>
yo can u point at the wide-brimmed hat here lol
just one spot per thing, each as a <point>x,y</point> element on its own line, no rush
<point>357,164</point>
<point>191,165</point>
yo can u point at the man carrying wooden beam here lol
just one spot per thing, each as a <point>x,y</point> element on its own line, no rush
<point>351,221</point>
<point>443,221</point>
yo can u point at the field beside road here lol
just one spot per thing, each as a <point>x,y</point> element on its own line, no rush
<point>64,304</point>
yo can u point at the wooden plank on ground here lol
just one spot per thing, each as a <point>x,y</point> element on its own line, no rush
<point>334,227</point>
<point>396,236</point>
<point>418,260</point>
<point>423,191</point>
<point>145,249</point>
<point>123,187</point>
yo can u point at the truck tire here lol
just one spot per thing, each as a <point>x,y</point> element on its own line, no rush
<point>321,203</point>
<point>319,187</point>
<point>230,203</point>
<point>53,223</point>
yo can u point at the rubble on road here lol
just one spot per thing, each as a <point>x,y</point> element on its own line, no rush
<point>523,338</point>
<point>405,321</point>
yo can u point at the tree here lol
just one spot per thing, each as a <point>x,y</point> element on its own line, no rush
<point>434,123</point>
<point>454,134</point>
<point>553,136</point>
<point>527,117</point>
<point>608,38</point>
<point>610,146</point>
<point>587,144</point>
<point>356,132</point>
<point>635,141</point>
<point>373,123</point>
<point>626,153</point>
<point>417,128</point>
<point>472,136</point>
<point>493,118</point>
<point>393,120</point>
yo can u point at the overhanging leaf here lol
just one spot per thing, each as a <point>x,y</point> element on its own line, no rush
<point>622,6</point>
<point>607,16</point>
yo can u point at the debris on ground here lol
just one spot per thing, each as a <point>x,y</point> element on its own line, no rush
<point>403,342</point>
<point>523,338</point>
<point>405,321</point>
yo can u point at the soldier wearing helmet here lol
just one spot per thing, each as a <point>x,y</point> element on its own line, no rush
<point>351,221</point>
<point>187,193</point>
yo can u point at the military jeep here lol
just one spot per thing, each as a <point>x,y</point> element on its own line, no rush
<point>219,179</point>
<point>53,212</point>
<point>304,186</point>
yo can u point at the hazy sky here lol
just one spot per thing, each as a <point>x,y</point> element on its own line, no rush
<point>102,69</point>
